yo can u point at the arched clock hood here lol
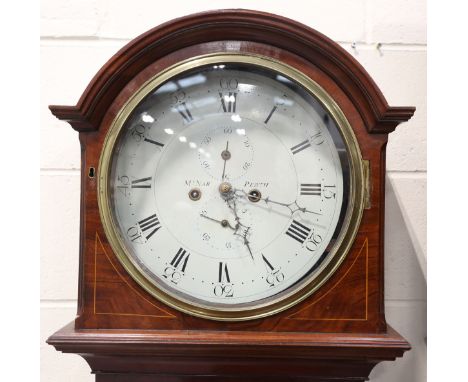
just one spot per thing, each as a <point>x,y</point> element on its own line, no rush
<point>239,25</point>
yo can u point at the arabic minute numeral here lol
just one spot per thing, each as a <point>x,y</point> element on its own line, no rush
<point>228,83</point>
<point>317,138</point>
<point>313,241</point>
<point>329,192</point>
<point>134,234</point>
<point>123,184</point>
<point>274,275</point>
<point>124,180</point>
<point>138,132</point>
<point>178,96</point>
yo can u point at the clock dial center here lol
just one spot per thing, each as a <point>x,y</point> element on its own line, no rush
<point>225,188</point>
<point>226,154</point>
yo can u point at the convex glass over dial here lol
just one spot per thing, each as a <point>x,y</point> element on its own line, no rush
<point>227,188</point>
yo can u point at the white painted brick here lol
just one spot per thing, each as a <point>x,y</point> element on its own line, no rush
<point>65,73</point>
<point>409,319</point>
<point>404,277</point>
<point>410,192</point>
<point>401,76</point>
<point>60,147</point>
<point>57,366</point>
<point>407,145</point>
<point>69,18</point>
<point>340,20</point>
<point>60,206</point>
<point>397,21</point>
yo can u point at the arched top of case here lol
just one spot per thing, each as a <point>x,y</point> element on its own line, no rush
<point>240,25</point>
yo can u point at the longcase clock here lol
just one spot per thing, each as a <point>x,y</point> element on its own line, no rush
<point>232,207</point>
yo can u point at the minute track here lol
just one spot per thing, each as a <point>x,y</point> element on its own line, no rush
<point>248,150</point>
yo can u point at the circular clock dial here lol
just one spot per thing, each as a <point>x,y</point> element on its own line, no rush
<point>228,186</point>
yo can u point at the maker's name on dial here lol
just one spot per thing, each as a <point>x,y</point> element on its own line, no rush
<point>197,183</point>
<point>249,183</point>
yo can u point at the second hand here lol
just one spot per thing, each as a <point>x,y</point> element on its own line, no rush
<point>225,155</point>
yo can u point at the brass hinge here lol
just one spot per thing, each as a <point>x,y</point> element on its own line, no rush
<point>367,185</point>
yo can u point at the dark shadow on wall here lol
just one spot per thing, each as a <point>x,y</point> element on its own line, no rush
<point>405,292</point>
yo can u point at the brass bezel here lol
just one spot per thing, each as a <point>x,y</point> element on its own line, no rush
<point>301,290</point>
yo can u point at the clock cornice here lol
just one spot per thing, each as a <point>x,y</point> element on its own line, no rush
<point>239,25</point>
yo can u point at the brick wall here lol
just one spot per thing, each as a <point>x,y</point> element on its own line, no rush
<point>78,37</point>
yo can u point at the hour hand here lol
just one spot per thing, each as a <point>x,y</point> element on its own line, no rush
<point>247,243</point>
<point>224,222</point>
<point>239,226</point>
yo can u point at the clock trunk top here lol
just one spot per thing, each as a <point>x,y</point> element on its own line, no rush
<point>352,300</point>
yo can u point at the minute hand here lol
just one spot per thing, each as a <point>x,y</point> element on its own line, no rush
<point>287,205</point>
<point>239,225</point>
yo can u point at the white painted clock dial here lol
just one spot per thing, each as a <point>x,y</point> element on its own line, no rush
<point>282,163</point>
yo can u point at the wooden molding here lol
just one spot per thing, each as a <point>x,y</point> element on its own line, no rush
<point>220,356</point>
<point>240,25</point>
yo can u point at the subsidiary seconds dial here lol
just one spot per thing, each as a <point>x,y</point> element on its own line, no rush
<point>228,187</point>
<point>225,138</point>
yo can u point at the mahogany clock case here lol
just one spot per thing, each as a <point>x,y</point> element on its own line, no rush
<point>349,303</point>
